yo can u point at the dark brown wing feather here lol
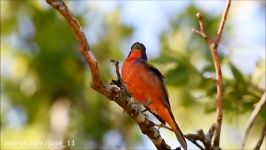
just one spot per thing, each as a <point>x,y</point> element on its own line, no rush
<point>161,77</point>
<point>158,117</point>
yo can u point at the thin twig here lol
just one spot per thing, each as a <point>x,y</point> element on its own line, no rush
<point>201,31</point>
<point>113,92</point>
<point>252,118</point>
<point>204,139</point>
<point>210,133</point>
<point>218,70</point>
<point>116,63</point>
<point>213,45</point>
<point>196,143</point>
<point>263,134</point>
<point>222,23</point>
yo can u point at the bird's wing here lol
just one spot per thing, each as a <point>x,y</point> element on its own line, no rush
<point>157,116</point>
<point>161,77</point>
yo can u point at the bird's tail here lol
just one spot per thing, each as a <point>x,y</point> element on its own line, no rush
<point>178,132</point>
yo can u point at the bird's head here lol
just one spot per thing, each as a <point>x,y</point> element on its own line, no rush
<point>138,51</point>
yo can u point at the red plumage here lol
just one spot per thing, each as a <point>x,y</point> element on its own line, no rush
<point>146,84</point>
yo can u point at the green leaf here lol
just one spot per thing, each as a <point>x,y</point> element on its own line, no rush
<point>240,83</point>
<point>164,58</point>
<point>236,73</point>
<point>177,76</point>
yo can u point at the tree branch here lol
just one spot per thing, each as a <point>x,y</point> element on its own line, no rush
<point>114,91</point>
<point>205,139</point>
<point>222,23</point>
<point>263,134</point>
<point>84,47</point>
<point>252,118</point>
<point>213,45</point>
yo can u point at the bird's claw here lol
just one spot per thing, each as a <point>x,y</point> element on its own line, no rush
<point>144,110</point>
<point>163,126</point>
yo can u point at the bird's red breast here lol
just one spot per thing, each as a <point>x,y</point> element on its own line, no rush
<point>143,83</point>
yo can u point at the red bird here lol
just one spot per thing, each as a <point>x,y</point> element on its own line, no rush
<point>146,84</point>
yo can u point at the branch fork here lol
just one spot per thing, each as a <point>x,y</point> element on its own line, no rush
<point>201,31</point>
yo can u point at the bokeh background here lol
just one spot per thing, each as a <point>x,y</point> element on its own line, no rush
<point>45,82</point>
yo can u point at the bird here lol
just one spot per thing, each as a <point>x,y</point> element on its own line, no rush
<point>146,84</point>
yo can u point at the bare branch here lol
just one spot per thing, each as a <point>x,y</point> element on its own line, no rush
<point>204,139</point>
<point>210,133</point>
<point>84,47</point>
<point>116,63</point>
<point>115,92</point>
<point>222,23</point>
<point>252,118</point>
<point>201,31</point>
<point>213,45</point>
<point>263,134</point>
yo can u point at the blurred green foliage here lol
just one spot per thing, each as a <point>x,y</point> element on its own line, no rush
<point>46,67</point>
<point>192,59</point>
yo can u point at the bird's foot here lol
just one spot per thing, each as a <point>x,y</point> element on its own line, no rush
<point>144,110</point>
<point>163,126</point>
